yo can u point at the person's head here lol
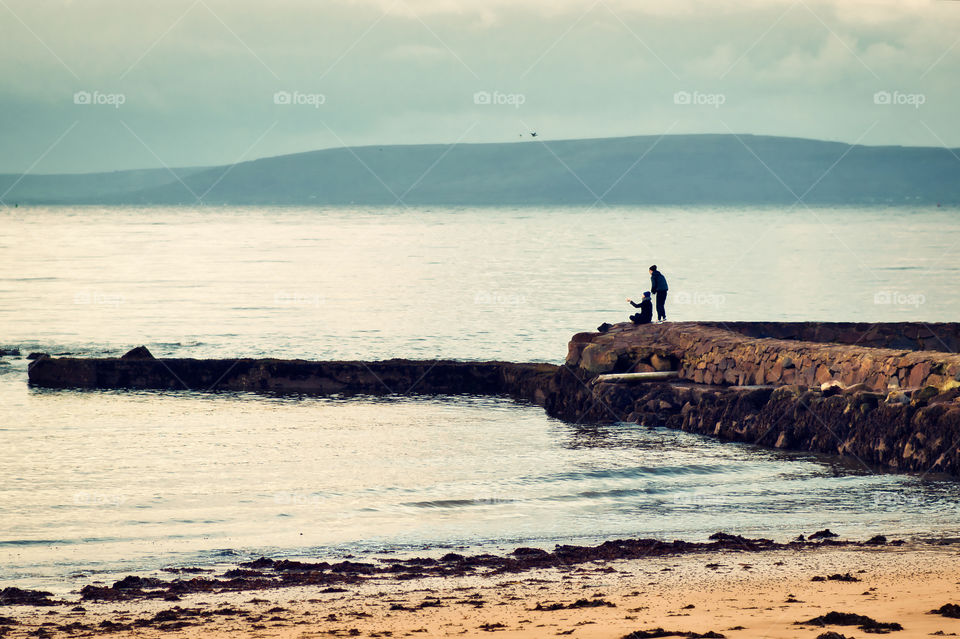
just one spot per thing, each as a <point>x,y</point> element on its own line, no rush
<point>646,294</point>
<point>653,269</point>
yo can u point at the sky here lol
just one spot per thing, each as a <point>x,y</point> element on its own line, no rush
<point>103,85</point>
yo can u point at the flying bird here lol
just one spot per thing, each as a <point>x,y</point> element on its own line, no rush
<point>533,134</point>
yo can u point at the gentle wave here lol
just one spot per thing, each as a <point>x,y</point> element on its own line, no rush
<point>457,503</point>
<point>60,542</point>
<point>633,473</point>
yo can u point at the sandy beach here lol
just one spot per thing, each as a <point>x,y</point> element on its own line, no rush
<point>743,595</point>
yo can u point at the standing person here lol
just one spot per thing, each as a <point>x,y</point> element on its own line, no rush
<point>658,286</point>
<point>645,316</point>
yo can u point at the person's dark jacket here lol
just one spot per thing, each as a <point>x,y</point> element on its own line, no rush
<point>645,316</point>
<point>658,283</point>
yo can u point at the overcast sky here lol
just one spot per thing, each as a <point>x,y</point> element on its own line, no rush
<point>93,85</point>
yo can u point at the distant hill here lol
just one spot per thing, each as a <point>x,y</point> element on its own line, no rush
<point>676,169</point>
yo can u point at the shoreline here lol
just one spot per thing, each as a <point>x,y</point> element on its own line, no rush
<point>763,587</point>
<point>66,586</point>
<point>263,573</point>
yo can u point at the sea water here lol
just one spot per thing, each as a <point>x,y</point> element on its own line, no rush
<point>95,484</point>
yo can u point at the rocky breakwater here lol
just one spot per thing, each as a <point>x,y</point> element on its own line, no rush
<point>911,336</point>
<point>891,407</point>
<point>139,369</point>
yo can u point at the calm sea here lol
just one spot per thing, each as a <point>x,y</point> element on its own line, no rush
<point>93,484</point>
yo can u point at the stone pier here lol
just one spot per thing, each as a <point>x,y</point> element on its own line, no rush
<point>887,395</point>
<point>813,387</point>
<point>138,369</point>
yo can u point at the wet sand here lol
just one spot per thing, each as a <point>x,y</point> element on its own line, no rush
<point>730,592</point>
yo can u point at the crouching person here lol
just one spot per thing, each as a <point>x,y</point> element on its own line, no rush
<point>645,316</point>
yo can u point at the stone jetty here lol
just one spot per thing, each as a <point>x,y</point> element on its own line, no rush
<point>886,394</point>
<point>812,387</point>
<point>139,369</point>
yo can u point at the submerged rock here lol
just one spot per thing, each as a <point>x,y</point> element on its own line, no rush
<point>826,533</point>
<point>19,596</point>
<point>140,352</point>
